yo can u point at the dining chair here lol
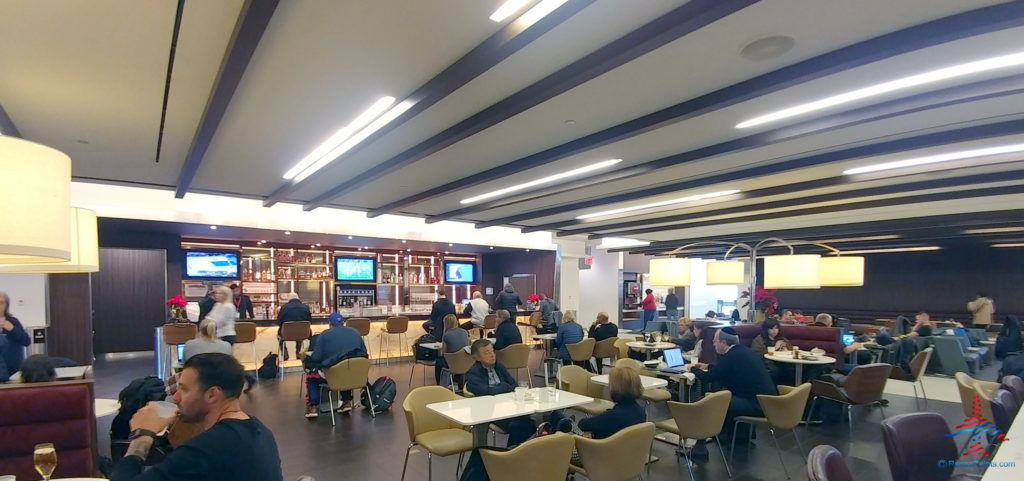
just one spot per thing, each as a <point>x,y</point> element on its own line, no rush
<point>699,420</point>
<point>516,356</point>
<point>490,324</point>
<point>605,349</point>
<point>459,363</point>
<point>780,412</point>
<point>576,380</point>
<point>433,432</point>
<point>918,365</point>
<point>619,457</point>
<point>581,352</point>
<point>295,331</point>
<point>245,333</point>
<point>174,334</point>
<point>532,323</point>
<point>825,463</point>
<point>863,387</point>
<point>914,441</point>
<point>347,375</point>
<point>966,386</point>
<point>622,348</point>
<point>544,458</point>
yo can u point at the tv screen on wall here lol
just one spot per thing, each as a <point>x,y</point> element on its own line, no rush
<point>211,264</point>
<point>355,269</point>
<point>459,272</point>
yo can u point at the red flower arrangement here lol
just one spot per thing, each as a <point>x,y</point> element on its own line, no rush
<point>178,300</point>
<point>764,300</point>
<point>176,308</point>
<point>532,298</point>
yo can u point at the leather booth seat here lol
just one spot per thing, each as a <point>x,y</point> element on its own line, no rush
<point>804,337</point>
<point>54,412</point>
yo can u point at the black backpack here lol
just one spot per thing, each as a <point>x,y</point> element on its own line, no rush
<point>422,353</point>
<point>382,392</point>
<point>269,369</point>
<point>135,395</point>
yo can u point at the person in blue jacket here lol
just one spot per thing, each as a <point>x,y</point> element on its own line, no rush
<point>13,340</point>
<point>570,332</point>
<point>506,333</point>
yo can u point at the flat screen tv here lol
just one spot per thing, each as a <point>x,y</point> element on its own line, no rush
<point>211,264</point>
<point>459,272</point>
<point>355,269</point>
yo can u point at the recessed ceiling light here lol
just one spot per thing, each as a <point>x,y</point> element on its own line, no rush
<point>508,8</point>
<point>349,237</point>
<point>768,48</point>
<point>445,252</point>
<point>541,181</point>
<point>1012,244</point>
<point>663,203</point>
<point>311,246</point>
<point>539,11</point>
<point>318,244</point>
<point>527,250</point>
<point>287,232</point>
<point>213,227</point>
<point>449,244</point>
<point>954,71</point>
<point>263,242</point>
<point>408,250</point>
<point>366,247</point>
<point>570,122</point>
<point>377,116</point>
<point>893,249</point>
<point>492,247</point>
<point>932,159</point>
<point>403,241</point>
<point>993,230</point>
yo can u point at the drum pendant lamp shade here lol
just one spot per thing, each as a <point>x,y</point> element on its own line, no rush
<point>795,271</point>
<point>85,249</point>
<point>670,272</point>
<point>35,201</point>
<point>725,273</point>
<point>842,271</point>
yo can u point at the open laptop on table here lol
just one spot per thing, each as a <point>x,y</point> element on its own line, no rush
<point>674,359</point>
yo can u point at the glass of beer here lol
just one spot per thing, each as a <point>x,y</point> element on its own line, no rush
<point>45,458</point>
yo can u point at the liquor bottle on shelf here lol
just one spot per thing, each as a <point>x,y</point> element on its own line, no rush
<point>400,281</point>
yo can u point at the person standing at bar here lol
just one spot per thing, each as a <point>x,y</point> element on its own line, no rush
<point>509,300</point>
<point>242,302</point>
<point>293,310</point>
<point>650,307</point>
<point>672,305</point>
<point>441,308</point>
<point>13,340</point>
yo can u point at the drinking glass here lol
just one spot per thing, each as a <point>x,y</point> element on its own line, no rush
<point>771,350</point>
<point>45,458</point>
<point>520,394</point>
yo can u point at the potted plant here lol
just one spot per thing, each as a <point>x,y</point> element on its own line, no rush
<point>176,308</point>
<point>765,303</point>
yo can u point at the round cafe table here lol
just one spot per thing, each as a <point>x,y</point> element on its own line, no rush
<point>787,358</point>
<point>650,347</point>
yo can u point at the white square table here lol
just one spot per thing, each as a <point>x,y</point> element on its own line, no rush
<point>1011,451</point>
<point>480,411</point>
<point>647,382</point>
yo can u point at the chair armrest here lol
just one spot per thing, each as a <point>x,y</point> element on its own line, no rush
<point>987,387</point>
<point>827,390</point>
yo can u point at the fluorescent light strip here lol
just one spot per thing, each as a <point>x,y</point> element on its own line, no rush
<point>993,230</point>
<point>612,242</point>
<point>539,11</point>
<point>932,159</point>
<point>340,136</point>
<point>508,8</point>
<point>954,71</point>
<point>894,249</point>
<point>545,180</point>
<point>660,204</point>
<point>356,139</point>
<point>858,239</point>
<point>1014,244</point>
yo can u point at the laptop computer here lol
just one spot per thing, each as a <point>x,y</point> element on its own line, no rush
<point>849,339</point>
<point>674,359</point>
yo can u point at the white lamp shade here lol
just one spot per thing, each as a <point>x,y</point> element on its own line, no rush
<point>85,249</point>
<point>842,271</point>
<point>34,203</point>
<point>725,273</point>
<point>799,271</point>
<point>670,272</point>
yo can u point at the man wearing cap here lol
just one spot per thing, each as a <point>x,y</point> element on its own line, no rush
<point>242,302</point>
<point>740,371</point>
<point>330,347</point>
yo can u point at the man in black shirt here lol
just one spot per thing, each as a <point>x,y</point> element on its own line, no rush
<point>442,307</point>
<point>233,445</point>
<point>293,310</point>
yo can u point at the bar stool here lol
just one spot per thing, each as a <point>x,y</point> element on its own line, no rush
<point>534,321</point>
<point>490,324</point>
<point>175,334</point>
<point>398,326</point>
<point>361,324</point>
<point>245,333</point>
<point>295,331</point>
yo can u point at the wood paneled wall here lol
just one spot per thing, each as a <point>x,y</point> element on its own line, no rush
<point>70,331</point>
<point>539,263</point>
<point>128,295</point>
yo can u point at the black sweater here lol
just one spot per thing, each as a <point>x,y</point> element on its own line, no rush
<point>232,450</point>
<point>477,380</point>
<point>601,332</point>
<point>624,414</point>
<point>742,372</point>
<point>507,334</point>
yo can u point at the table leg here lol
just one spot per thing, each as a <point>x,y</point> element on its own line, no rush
<point>648,354</point>
<point>799,374</point>
<point>480,435</point>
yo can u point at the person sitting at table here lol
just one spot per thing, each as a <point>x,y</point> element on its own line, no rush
<point>788,317</point>
<point>453,339</point>
<point>233,446</point>
<point>506,333</point>
<point>13,339</point>
<point>690,335</point>
<point>38,368</point>
<point>206,342</point>
<point>570,332</point>
<point>337,343</point>
<point>489,377</point>
<point>771,336</point>
<point>625,389</point>
<point>740,371</point>
<point>602,329</point>
<point>477,309</point>
<point>822,320</point>
<point>711,315</point>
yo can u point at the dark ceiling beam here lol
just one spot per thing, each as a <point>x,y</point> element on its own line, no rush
<point>249,28</point>
<point>882,148</point>
<point>511,38</point>
<point>933,33</point>
<point>7,126</point>
<point>610,230</point>
<point>828,209</point>
<point>691,16</point>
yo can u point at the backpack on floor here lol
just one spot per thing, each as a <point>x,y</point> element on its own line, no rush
<point>269,369</point>
<point>382,392</point>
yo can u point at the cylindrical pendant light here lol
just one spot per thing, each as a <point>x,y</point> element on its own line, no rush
<point>795,271</point>
<point>842,271</point>
<point>670,272</point>
<point>85,249</point>
<point>725,273</point>
<point>35,201</point>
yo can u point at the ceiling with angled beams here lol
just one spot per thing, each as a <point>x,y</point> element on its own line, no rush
<point>257,85</point>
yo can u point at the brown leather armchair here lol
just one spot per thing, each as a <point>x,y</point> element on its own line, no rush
<point>50,412</point>
<point>915,443</point>
<point>825,463</point>
<point>862,387</point>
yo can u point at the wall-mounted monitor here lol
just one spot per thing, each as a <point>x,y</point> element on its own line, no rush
<point>355,269</point>
<point>459,272</point>
<point>211,264</point>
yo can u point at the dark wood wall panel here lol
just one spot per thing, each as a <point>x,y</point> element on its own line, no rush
<point>539,263</point>
<point>111,236</point>
<point>70,331</point>
<point>940,281</point>
<point>128,296</point>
